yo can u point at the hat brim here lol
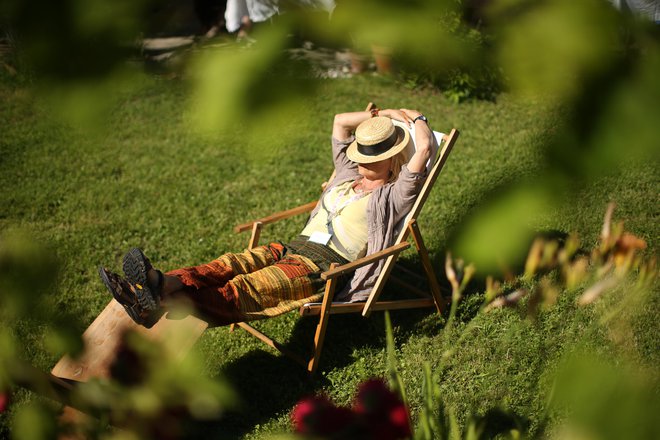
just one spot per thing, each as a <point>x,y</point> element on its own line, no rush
<point>403,141</point>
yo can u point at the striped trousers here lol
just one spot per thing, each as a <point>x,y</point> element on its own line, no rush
<point>258,283</point>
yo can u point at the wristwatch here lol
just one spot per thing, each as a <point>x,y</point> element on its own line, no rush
<point>421,118</point>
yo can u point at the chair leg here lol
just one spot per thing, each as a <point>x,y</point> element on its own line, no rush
<point>256,233</point>
<point>426,263</point>
<point>271,342</point>
<point>322,326</point>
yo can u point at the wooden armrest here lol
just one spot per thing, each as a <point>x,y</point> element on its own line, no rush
<point>277,216</point>
<point>350,267</point>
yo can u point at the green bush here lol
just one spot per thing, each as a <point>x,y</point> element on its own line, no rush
<point>472,74</point>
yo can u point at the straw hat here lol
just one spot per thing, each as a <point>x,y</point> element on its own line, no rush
<point>378,139</point>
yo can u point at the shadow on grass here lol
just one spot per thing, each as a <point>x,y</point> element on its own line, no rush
<point>271,384</point>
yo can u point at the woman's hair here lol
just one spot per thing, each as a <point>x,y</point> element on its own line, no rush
<point>398,161</point>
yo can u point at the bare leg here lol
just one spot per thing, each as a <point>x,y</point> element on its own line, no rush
<point>246,27</point>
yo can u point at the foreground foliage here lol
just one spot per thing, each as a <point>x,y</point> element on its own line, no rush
<point>615,265</point>
<point>97,157</point>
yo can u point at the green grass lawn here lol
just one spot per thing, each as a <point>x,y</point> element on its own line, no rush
<point>148,180</point>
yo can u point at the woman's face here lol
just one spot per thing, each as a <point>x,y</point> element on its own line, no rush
<point>376,170</point>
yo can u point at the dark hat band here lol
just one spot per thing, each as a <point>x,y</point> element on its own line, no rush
<point>380,147</point>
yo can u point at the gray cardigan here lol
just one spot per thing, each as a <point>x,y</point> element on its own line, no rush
<point>387,207</point>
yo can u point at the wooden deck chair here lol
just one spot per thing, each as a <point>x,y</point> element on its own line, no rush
<point>433,298</point>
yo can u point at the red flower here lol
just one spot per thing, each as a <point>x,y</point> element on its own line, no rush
<point>400,421</point>
<point>378,414</point>
<point>374,398</point>
<point>4,401</point>
<point>383,413</point>
<point>318,416</point>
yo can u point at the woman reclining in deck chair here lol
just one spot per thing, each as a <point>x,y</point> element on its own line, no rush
<point>378,176</point>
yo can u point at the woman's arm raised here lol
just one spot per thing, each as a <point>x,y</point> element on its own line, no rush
<point>346,123</point>
<point>424,141</point>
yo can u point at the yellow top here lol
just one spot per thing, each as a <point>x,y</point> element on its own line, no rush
<point>343,215</point>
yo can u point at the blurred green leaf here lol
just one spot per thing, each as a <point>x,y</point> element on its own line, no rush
<point>627,130</point>
<point>600,69</point>
<point>121,19</point>
<point>606,399</point>
<point>414,29</point>
<point>235,88</point>
<point>34,421</point>
<point>27,271</point>
<point>498,234</point>
<point>551,47</point>
<point>7,354</point>
<point>76,39</point>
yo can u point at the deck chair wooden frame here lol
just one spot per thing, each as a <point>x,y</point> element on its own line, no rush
<point>328,306</point>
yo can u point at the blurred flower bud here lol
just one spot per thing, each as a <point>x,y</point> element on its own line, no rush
<point>576,272</point>
<point>607,222</point>
<point>451,274</point>
<point>549,294</point>
<point>570,248</point>
<point>507,301</point>
<point>469,272</point>
<point>548,260</point>
<point>594,292</point>
<point>626,246</point>
<point>534,257</point>
<point>493,289</point>
<point>5,400</point>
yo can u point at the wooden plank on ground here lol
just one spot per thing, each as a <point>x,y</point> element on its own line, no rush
<point>103,336</point>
